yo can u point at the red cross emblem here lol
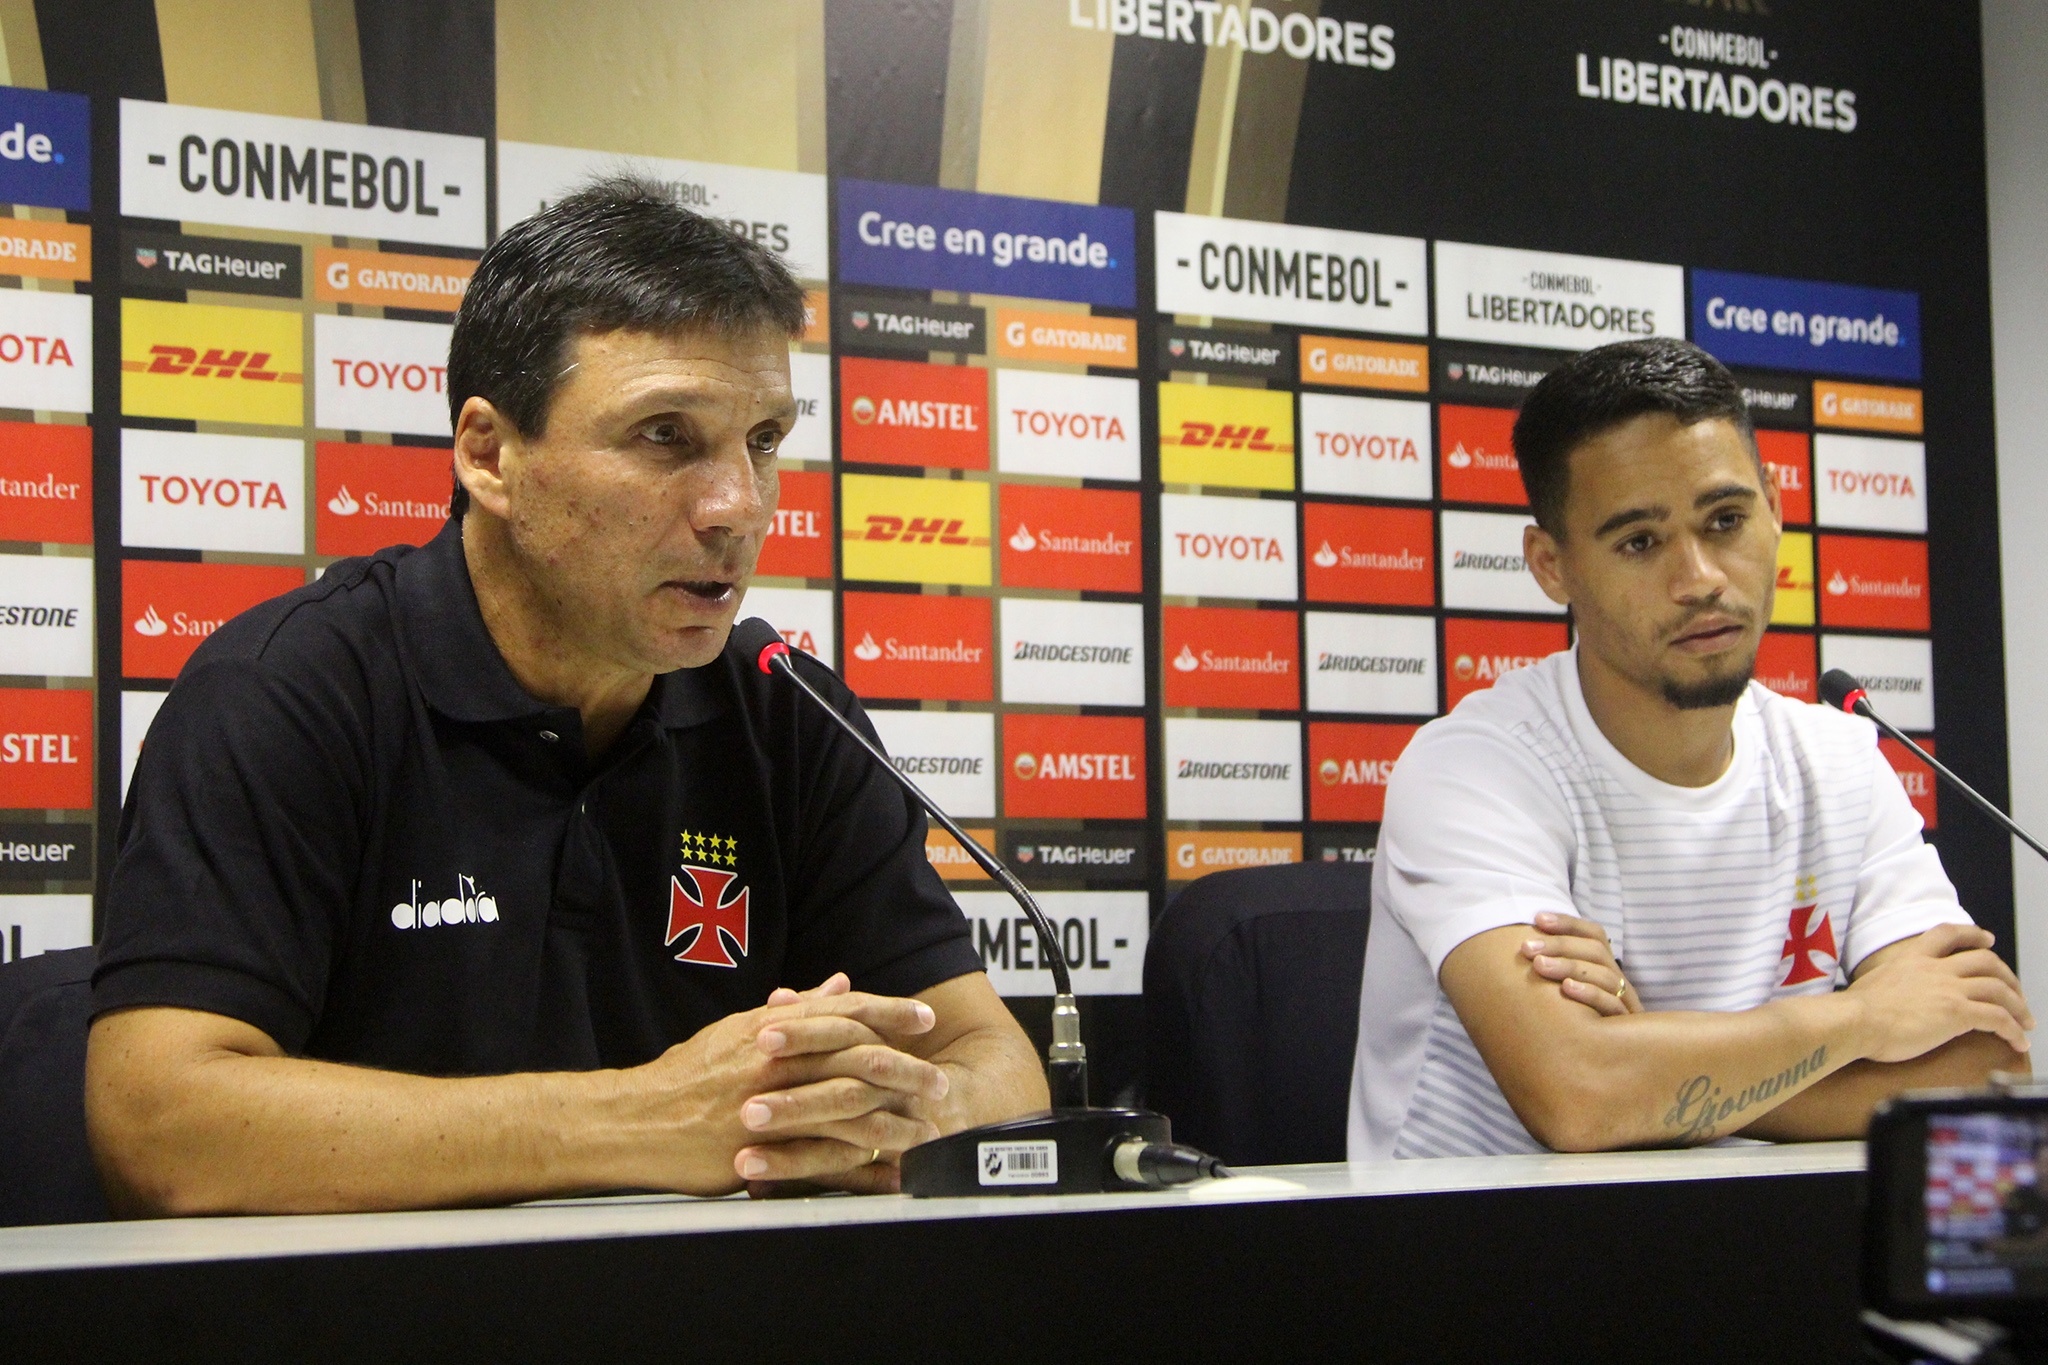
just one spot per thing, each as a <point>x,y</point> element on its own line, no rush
<point>1809,934</point>
<point>702,905</point>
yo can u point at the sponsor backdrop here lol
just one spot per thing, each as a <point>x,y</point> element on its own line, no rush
<point>1153,482</point>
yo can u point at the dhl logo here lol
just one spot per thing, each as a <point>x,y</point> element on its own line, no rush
<point>1793,604</point>
<point>174,355</point>
<point>903,530</point>
<point>1237,438</point>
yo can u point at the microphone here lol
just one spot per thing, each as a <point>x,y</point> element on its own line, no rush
<point>1840,689</point>
<point>1072,1148</point>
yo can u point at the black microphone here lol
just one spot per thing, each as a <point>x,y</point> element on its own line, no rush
<point>1840,688</point>
<point>1071,1148</point>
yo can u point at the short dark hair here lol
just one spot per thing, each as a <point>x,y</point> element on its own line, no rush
<point>1604,387</point>
<point>622,253</point>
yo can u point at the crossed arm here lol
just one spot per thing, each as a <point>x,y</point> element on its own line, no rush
<point>190,1112</point>
<point>1586,1069</point>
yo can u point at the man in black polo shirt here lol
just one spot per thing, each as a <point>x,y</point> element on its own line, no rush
<point>483,871</point>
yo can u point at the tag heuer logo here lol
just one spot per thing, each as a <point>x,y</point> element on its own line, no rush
<point>860,321</point>
<point>145,257</point>
<point>1177,346</point>
<point>1455,370</point>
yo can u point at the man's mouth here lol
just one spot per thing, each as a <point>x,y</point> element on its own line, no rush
<point>703,589</point>
<point>1708,635</point>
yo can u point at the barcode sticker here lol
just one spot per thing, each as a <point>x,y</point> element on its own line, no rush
<point>1019,1163</point>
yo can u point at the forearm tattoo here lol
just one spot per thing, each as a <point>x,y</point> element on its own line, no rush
<point>1701,1109</point>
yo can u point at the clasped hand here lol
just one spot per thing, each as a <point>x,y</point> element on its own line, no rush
<point>814,1087</point>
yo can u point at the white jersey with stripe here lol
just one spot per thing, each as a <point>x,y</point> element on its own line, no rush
<point>1777,879</point>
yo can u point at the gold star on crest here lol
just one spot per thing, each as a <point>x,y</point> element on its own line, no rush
<point>1805,889</point>
<point>714,849</point>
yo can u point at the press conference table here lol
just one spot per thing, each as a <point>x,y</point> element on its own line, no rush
<point>1740,1253</point>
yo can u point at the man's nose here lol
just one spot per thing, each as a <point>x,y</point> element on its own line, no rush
<point>732,498</point>
<point>1697,575</point>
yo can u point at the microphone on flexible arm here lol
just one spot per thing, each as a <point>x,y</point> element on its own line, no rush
<point>1840,689</point>
<point>1071,1148</point>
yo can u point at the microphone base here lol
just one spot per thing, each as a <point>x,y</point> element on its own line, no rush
<point>1057,1151</point>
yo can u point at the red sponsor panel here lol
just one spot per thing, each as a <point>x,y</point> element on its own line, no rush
<point>45,749</point>
<point>1476,455</point>
<point>908,645</point>
<point>368,497</point>
<point>1080,538</point>
<point>799,543</point>
<point>1348,765</point>
<point>46,483</point>
<point>908,413</point>
<point>1080,767</point>
<point>1788,457</point>
<point>1232,657</point>
<point>1477,653</point>
<point>167,609</point>
<point>1370,554</point>
<point>1865,581</point>
<point>1788,665</point>
<point>1916,777</point>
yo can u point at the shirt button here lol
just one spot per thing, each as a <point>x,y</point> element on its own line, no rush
<point>549,735</point>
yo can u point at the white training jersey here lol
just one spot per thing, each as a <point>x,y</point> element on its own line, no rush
<point>1775,880</point>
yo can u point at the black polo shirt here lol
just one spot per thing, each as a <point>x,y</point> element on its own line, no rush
<point>353,829</point>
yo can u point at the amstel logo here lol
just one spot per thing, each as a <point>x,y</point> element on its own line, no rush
<point>1785,663</point>
<point>1370,554</point>
<point>1793,604</point>
<point>1352,763</point>
<point>1869,582</point>
<point>1788,458</point>
<point>367,497</point>
<point>1077,538</point>
<point>1479,455</point>
<point>922,648</point>
<point>1235,438</point>
<point>212,364</point>
<point>905,413</point>
<point>1080,767</point>
<point>46,483</point>
<point>903,530</point>
<point>46,748</point>
<point>799,543</point>
<point>170,608</point>
<point>1916,777</point>
<point>1480,653</point>
<point>1232,657</point>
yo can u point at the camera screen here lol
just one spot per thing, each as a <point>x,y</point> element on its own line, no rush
<point>1986,1202</point>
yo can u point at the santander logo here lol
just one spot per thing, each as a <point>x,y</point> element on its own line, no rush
<point>1023,541</point>
<point>1325,558</point>
<point>1838,585</point>
<point>149,623</point>
<point>342,505</point>
<point>867,651</point>
<point>1185,661</point>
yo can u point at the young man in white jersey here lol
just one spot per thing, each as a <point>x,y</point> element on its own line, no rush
<point>1628,897</point>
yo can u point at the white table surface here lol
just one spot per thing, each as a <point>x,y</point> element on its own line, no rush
<point>171,1240</point>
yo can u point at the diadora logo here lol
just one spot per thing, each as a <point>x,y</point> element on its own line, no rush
<point>192,492</point>
<point>1242,438</point>
<point>1231,657</point>
<point>919,238</point>
<point>375,374</point>
<point>1479,456</point>
<point>46,747</point>
<point>1080,767</point>
<point>466,906</point>
<point>1869,582</point>
<point>918,647</point>
<point>1869,483</point>
<point>46,482</point>
<point>799,543</point>
<point>170,608</point>
<point>1352,764</point>
<point>1072,338</point>
<point>915,530</point>
<point>303,175</point>
<point>1482,652</point>
<point>205,363</point>
<point>1079,538</point>
<point>702,898</point>
<point>905,413</point>
<point>367,497</point>
<point>45,148</point>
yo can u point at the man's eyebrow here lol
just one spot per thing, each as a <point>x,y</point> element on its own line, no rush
<point>1728,490</point>
<point>1621,519</point>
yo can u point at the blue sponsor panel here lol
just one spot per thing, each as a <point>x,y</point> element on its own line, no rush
<point>45,148</point>
<point>1805,325</point>
<point>919,238</point>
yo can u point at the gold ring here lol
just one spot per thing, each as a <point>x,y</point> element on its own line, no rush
<point>874,1156</point>
<point>1622,990</point>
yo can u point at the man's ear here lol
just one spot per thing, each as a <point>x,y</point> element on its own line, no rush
<point>1772,498</point>
<point>1541,554</point>
<point>483,437</point>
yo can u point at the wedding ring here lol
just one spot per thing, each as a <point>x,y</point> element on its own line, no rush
<point>874,1156</point>
<point>1621,991</point>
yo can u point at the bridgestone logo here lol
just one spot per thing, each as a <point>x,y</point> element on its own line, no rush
<point>64,617</point>
<point>1366,663</point>
<point>1072,654</point>
<point>1196,769</point>
<point>1883,684</point>
<point>1466,559</point>
<point>925,765</point>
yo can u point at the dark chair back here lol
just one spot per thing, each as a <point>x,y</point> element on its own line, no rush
<point>1251,1010</point>
<point>46,1170</point>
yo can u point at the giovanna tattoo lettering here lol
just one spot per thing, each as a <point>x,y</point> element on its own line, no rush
<point>1701,1108</point>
